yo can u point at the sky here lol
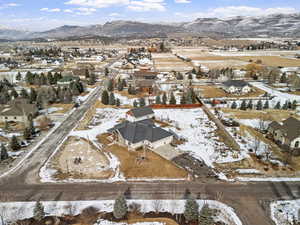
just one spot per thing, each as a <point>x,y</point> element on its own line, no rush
<point>40,15</point>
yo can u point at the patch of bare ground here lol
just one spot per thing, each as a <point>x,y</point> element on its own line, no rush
<point>267,115</point>
<point>64,107</point>
<point>93,163</point>
<point>133,166</point>
<point>216,92</point>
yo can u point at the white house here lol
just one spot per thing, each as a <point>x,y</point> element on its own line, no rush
<point>236,87</point>
<point>140,134</point>
<point>139,114</point>
<point>287,133</point>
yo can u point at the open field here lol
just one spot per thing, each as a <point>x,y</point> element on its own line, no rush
<point>215,92</point>
<point>165,62</point>
<point>153,167</point>
<point>93,164</point>
<point>267,115</point>
<point>63,108</point>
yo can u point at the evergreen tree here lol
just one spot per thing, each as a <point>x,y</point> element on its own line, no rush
<point>183,99</point>
<point>19,76</point>
<point>120,207</point>
<point>14,143</point>
<point>294,105</point>
<point>234,105</point>
<point>29,78</point>
<point>206,216</point>
<point>32,95</point>
<point>3,152</point>
<point>135,104</point>
<point>105,98</point>
<point>14,93</point>
<point>266,105</point>
<point>289,105</point>
<point>157,100</point>
<point>142,102</point>
<point>112,100</point>
<point>118,103</point>
<point>191,210</point>
<point>285,106</point>
<point>259,105</point>
<point>92,79</point>
<point>24,93</point>
<point>190,76</point>
<point>278,105</point>
<point>87,74</point>
<point>106,71</point>
<point>38,211</point>
<point>250,105</point>
<point>164,99</point>
<point>283,78</point>
<point>172,99</point>
<point>243,105</point>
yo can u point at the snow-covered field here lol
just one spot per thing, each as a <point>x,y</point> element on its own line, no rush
<point>13,211</point>
<point>254,53</point>
<point>285,212</point>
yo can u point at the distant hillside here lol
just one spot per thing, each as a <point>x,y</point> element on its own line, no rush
<point>280,25</point>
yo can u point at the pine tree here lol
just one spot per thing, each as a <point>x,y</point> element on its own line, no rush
<point>14,143</point>
<point>120,207</point>
<point>191,210</point>
<point>172,99</point>
<point>233,105</point>
<point>206,216</point>
<point>190,76</point>
<point>38,211</point>
<point>135,104</point>
<point>118,103</point>
<point>3,153</point>
<point>266,105</point>
<point>250,105</point>
<point>32,95</point>
<point>285,106</point>
<point>294,105</point>
<point>283,78</point>
<point>183,99</point>
<point>87,74</point>
<point>92,79</point>
<point>243,105</point>
<point>14,93</point>
<point>112,100</point>
<point>142,102</point>
<point>259,105</point>
<point>19,76</point>
<point>164,99</point>
<point>106,71</point>
<point>105,98</point>
<point>278,105</point>
<point>24,93</point>
<point>157,100</point>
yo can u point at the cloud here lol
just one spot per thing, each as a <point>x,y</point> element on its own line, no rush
<point>114,15</point>
<point>231,11</point>
<point>85,11</point>
<point>50,10</point>
<point>134,5</point>
<point>183,1</point>
<point>147,5</point>
<point>68,11</point>
<point>97,3</point>
<point>9,5</point>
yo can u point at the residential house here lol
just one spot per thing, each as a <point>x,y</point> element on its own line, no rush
<point>140,134</point>
<point>144,75</point>
<point>18,110</point>
<point>286,133</point>
<point>139,114</point>
<point>236,87</point>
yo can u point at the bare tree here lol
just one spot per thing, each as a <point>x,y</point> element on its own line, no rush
<point>256,145</point>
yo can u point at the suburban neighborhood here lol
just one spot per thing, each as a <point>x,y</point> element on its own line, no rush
<point>150,124</point>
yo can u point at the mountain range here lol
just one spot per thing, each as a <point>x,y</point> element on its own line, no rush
<point>276,25</point>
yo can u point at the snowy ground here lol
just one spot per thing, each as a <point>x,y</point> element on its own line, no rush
<point>198,131</point>
<point>13,211</point>
<point>285,212</point>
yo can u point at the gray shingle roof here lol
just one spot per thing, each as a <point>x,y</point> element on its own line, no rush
<point>291,126</point>
<point>235,83</point>
<point>142,111</point>
<point>135,132</point>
